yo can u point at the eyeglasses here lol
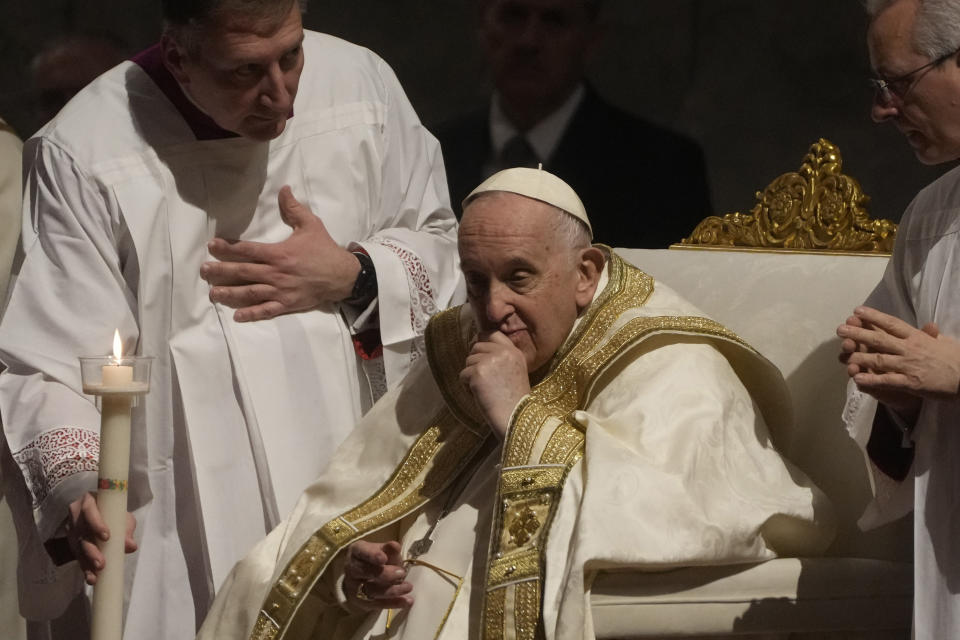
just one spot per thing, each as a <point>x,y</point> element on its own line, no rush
<point>887,89</point>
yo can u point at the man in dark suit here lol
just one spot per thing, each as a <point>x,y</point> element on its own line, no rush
<point>643,185</point>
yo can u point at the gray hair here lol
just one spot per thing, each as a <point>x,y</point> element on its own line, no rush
<point>571,230</point>
<point>936,30</point>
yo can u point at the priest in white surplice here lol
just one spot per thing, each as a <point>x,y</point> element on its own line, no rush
<point>902,346</point>
<point>576,415</point>
<point>196,139</point>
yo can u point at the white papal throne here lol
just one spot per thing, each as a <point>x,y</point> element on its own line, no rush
<point>783,277</point>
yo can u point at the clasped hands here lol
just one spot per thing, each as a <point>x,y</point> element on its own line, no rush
<point>897,363</point>
<point>265,280</point>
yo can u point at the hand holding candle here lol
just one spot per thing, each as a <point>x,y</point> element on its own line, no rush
<point>117,381</point>
<point>86,529</point>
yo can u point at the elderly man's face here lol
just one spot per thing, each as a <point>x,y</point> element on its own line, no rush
<point>246,76</point>
<point>522,279</point>
<point>536,48</point>
<point>928,111</point>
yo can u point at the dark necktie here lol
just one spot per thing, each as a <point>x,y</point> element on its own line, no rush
<point>518,153</point>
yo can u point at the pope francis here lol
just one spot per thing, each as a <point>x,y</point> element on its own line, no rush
<point>573,416</point>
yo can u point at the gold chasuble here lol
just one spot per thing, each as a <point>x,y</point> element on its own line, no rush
<point>546,441</point>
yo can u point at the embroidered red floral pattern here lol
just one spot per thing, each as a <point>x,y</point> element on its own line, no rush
<point>55,455</point>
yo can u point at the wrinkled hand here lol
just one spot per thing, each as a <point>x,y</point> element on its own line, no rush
<point>379,568</point>
<point>885,355</point>
<point>496,372</point>
<point>264,280</point>
<point>85,527</point>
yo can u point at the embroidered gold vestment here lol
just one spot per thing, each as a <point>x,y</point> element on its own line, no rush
<point>546,440</point>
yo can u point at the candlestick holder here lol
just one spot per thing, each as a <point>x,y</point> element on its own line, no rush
<point>117,382</point>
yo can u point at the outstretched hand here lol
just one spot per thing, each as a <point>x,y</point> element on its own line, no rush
<point>264,280</point>
<point>374,577</point>
<point>85,528</point>
<point>889,358</point>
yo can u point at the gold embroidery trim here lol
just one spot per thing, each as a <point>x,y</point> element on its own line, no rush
<point>527,604</point>
<point>559,392</point>
<point>264,629</point>
<point>494,610</point>
<point>532,479</point>
<point>564,389</point>
<point>556,396</point>
<point>446,354</point>
<point>446,444</point>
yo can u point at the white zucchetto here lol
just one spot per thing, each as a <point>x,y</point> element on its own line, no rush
<point>537,184</point>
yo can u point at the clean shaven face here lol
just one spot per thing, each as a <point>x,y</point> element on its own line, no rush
<point>245,76</point>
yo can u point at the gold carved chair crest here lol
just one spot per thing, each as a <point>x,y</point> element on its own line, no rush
<point>816,208</point>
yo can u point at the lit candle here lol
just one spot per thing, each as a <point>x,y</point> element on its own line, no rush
<point>117,392</point>
<point>116,374</point>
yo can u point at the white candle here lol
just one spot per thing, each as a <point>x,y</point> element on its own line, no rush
<point>107,613</point>
<point>112,502</point>
<point>117,376</point>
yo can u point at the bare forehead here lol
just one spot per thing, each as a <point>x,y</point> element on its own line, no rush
<point>890,35</point>
<point>237,42</point>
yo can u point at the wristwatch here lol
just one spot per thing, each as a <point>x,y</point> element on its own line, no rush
<point>365,286</point>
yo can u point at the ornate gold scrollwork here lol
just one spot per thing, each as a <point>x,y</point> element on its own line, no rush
<point>815,208</point>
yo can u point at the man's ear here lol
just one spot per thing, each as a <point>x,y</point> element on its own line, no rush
<point>589,267</point>
<point>174,58</point>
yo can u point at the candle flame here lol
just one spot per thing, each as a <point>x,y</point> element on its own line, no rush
<point>117,346</point>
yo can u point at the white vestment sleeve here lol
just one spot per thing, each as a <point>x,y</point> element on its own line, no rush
<point>414,246</point>
<point>70,294</point>
<point>892,499</point>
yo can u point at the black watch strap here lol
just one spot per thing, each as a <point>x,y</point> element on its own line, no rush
<point>365,286</point>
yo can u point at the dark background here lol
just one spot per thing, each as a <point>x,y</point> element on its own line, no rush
<point>755,81</point>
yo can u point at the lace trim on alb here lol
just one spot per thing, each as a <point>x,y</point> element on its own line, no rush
<point>423,303</point>
<point>55,455</point>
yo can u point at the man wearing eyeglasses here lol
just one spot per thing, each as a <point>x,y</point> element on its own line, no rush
<point>900,347</point>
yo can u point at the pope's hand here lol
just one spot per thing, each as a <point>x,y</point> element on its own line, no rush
<point>888,358</point>
<point>85,526</point>
<point>264,280</point>
<point>496,372</point>
<point>374,577</point>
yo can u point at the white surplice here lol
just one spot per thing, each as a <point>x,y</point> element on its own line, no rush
<point>121,199</point>
<point>921,285</point>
